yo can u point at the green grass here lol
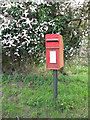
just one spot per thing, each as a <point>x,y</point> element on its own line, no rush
<point>31,96</point>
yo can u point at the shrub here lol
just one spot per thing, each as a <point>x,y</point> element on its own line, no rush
<point>23,33</point>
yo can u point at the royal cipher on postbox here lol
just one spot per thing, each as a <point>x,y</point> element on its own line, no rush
<point>54,51</point>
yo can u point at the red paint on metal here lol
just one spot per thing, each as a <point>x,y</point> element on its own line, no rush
<point>54,42</point>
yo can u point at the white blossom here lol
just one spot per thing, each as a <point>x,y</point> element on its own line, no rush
<point>71,49</point>
<point>41,61</point>
<point>75,33</point>
<point>17,50</point>
<point>26,13</point>
<point>32,8</point>
<point>23,43</point>
<point>29,51</point>
<point>46,28</point>
<point>27,42</point>
<point>16,53</point>
<point>27,0</point>
<point>42,34</point>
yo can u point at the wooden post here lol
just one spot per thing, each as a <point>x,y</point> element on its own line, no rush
<point>55,80</point>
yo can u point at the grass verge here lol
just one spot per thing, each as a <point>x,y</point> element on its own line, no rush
<point>31,96</point>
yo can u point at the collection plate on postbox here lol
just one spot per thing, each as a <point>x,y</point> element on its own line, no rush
<point>54,51</point>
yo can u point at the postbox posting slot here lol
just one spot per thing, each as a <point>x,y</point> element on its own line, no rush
<point>52,40</point>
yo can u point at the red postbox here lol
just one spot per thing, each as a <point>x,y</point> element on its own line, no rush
<point>54,51</point>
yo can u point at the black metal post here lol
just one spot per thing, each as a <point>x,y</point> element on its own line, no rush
<point>55,80</point>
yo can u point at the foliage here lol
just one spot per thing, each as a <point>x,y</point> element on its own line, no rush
<point>23,33</point>
<point>31,96</point>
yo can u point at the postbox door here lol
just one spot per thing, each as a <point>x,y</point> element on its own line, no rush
<point>53,58</point>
